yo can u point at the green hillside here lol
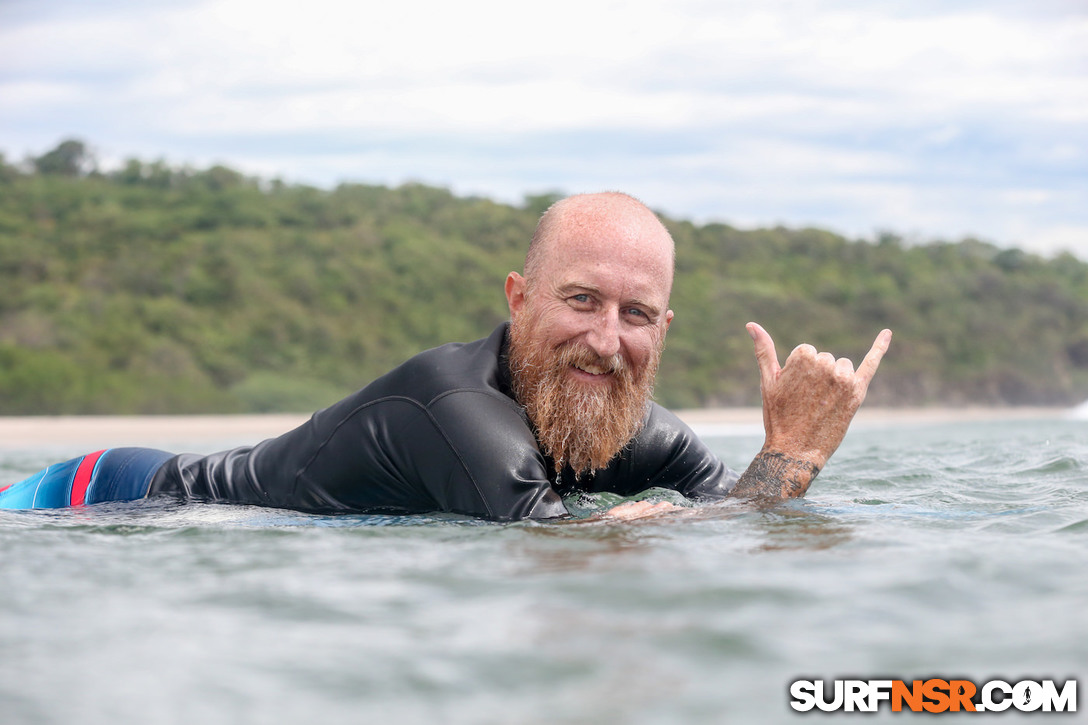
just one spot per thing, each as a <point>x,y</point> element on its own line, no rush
<point>157,289</point>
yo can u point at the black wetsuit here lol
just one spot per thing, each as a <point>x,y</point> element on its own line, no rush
<point>442,432</point>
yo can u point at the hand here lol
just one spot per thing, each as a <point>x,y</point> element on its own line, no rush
<point>808,404</point>
<point>638,509</point>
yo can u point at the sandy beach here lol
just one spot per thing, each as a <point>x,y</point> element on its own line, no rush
<point>107,431</point>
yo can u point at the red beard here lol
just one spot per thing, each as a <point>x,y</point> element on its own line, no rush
<point>578,424</point>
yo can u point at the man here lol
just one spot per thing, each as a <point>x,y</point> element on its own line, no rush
<point>502,428</point>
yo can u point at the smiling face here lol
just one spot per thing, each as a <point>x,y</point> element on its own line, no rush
<point>588,323</point>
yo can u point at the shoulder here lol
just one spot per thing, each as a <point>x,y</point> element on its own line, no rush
<point>410,397</point>
<point>459,392</point>
<point>454,367</point>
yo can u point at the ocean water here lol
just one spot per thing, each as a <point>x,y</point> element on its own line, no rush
<point>954,550</point>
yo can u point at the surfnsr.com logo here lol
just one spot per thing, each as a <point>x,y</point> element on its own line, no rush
<point>934,695</point>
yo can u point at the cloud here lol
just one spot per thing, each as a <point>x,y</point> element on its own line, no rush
<point>941,118</point>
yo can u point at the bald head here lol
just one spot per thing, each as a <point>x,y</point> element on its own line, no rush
<point>613,221</point>
<point>587,325</point>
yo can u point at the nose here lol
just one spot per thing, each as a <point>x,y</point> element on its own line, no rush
<point>604,337</point>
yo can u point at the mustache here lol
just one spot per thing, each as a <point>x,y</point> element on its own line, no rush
<point>578,355</point>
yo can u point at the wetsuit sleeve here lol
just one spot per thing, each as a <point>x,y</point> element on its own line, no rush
<point>691,467</point>
<point>668,454</point>
<point>467,452</point>
<point>500,473</point>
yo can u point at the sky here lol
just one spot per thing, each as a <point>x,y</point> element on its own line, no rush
<point>931,119</point>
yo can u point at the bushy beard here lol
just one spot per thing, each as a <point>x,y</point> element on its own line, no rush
<point>577,424</point>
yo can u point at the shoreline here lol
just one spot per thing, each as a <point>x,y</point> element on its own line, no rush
<point>153,430</point>
<point>749,421</point>
<point>718,416</point>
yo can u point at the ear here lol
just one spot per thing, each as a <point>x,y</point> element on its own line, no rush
<point>515,292</point>
<point>668,318</point>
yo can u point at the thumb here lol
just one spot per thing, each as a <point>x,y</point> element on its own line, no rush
<point>766,356</point>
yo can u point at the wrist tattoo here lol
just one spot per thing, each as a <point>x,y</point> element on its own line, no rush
<point>775,476</point>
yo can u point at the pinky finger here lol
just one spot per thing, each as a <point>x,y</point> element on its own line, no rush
<point>867,368</point>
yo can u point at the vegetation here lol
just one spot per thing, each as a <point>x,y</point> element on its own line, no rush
<point>156,289</point>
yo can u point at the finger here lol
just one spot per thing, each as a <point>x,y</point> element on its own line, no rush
<point>868,366</point>
<point>628,510</point>
<point>766,355</point>
<point>844,365</point>
<point>804,349</point>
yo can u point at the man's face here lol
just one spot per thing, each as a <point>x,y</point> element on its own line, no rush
<point>586,337</point>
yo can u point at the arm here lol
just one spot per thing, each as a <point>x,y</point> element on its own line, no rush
<point>665,454</point>
<point>808,404</point>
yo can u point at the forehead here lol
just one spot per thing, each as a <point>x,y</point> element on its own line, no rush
<point>628,251</point>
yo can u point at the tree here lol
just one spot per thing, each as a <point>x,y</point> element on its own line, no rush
<point>8,173</point>
<point>70,158</point>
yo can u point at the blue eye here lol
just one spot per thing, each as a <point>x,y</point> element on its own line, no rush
<point>638,316</point>
<point>581,301</point>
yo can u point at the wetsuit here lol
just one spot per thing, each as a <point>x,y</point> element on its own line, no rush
<point>441,432</point>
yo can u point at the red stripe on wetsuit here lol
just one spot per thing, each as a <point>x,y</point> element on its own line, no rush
<point>83,477</point>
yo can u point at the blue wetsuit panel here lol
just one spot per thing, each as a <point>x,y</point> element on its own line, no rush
<point>117,474</point>
<point>124,474</point>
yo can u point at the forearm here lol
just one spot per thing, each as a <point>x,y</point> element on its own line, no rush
<point>775,475</point>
